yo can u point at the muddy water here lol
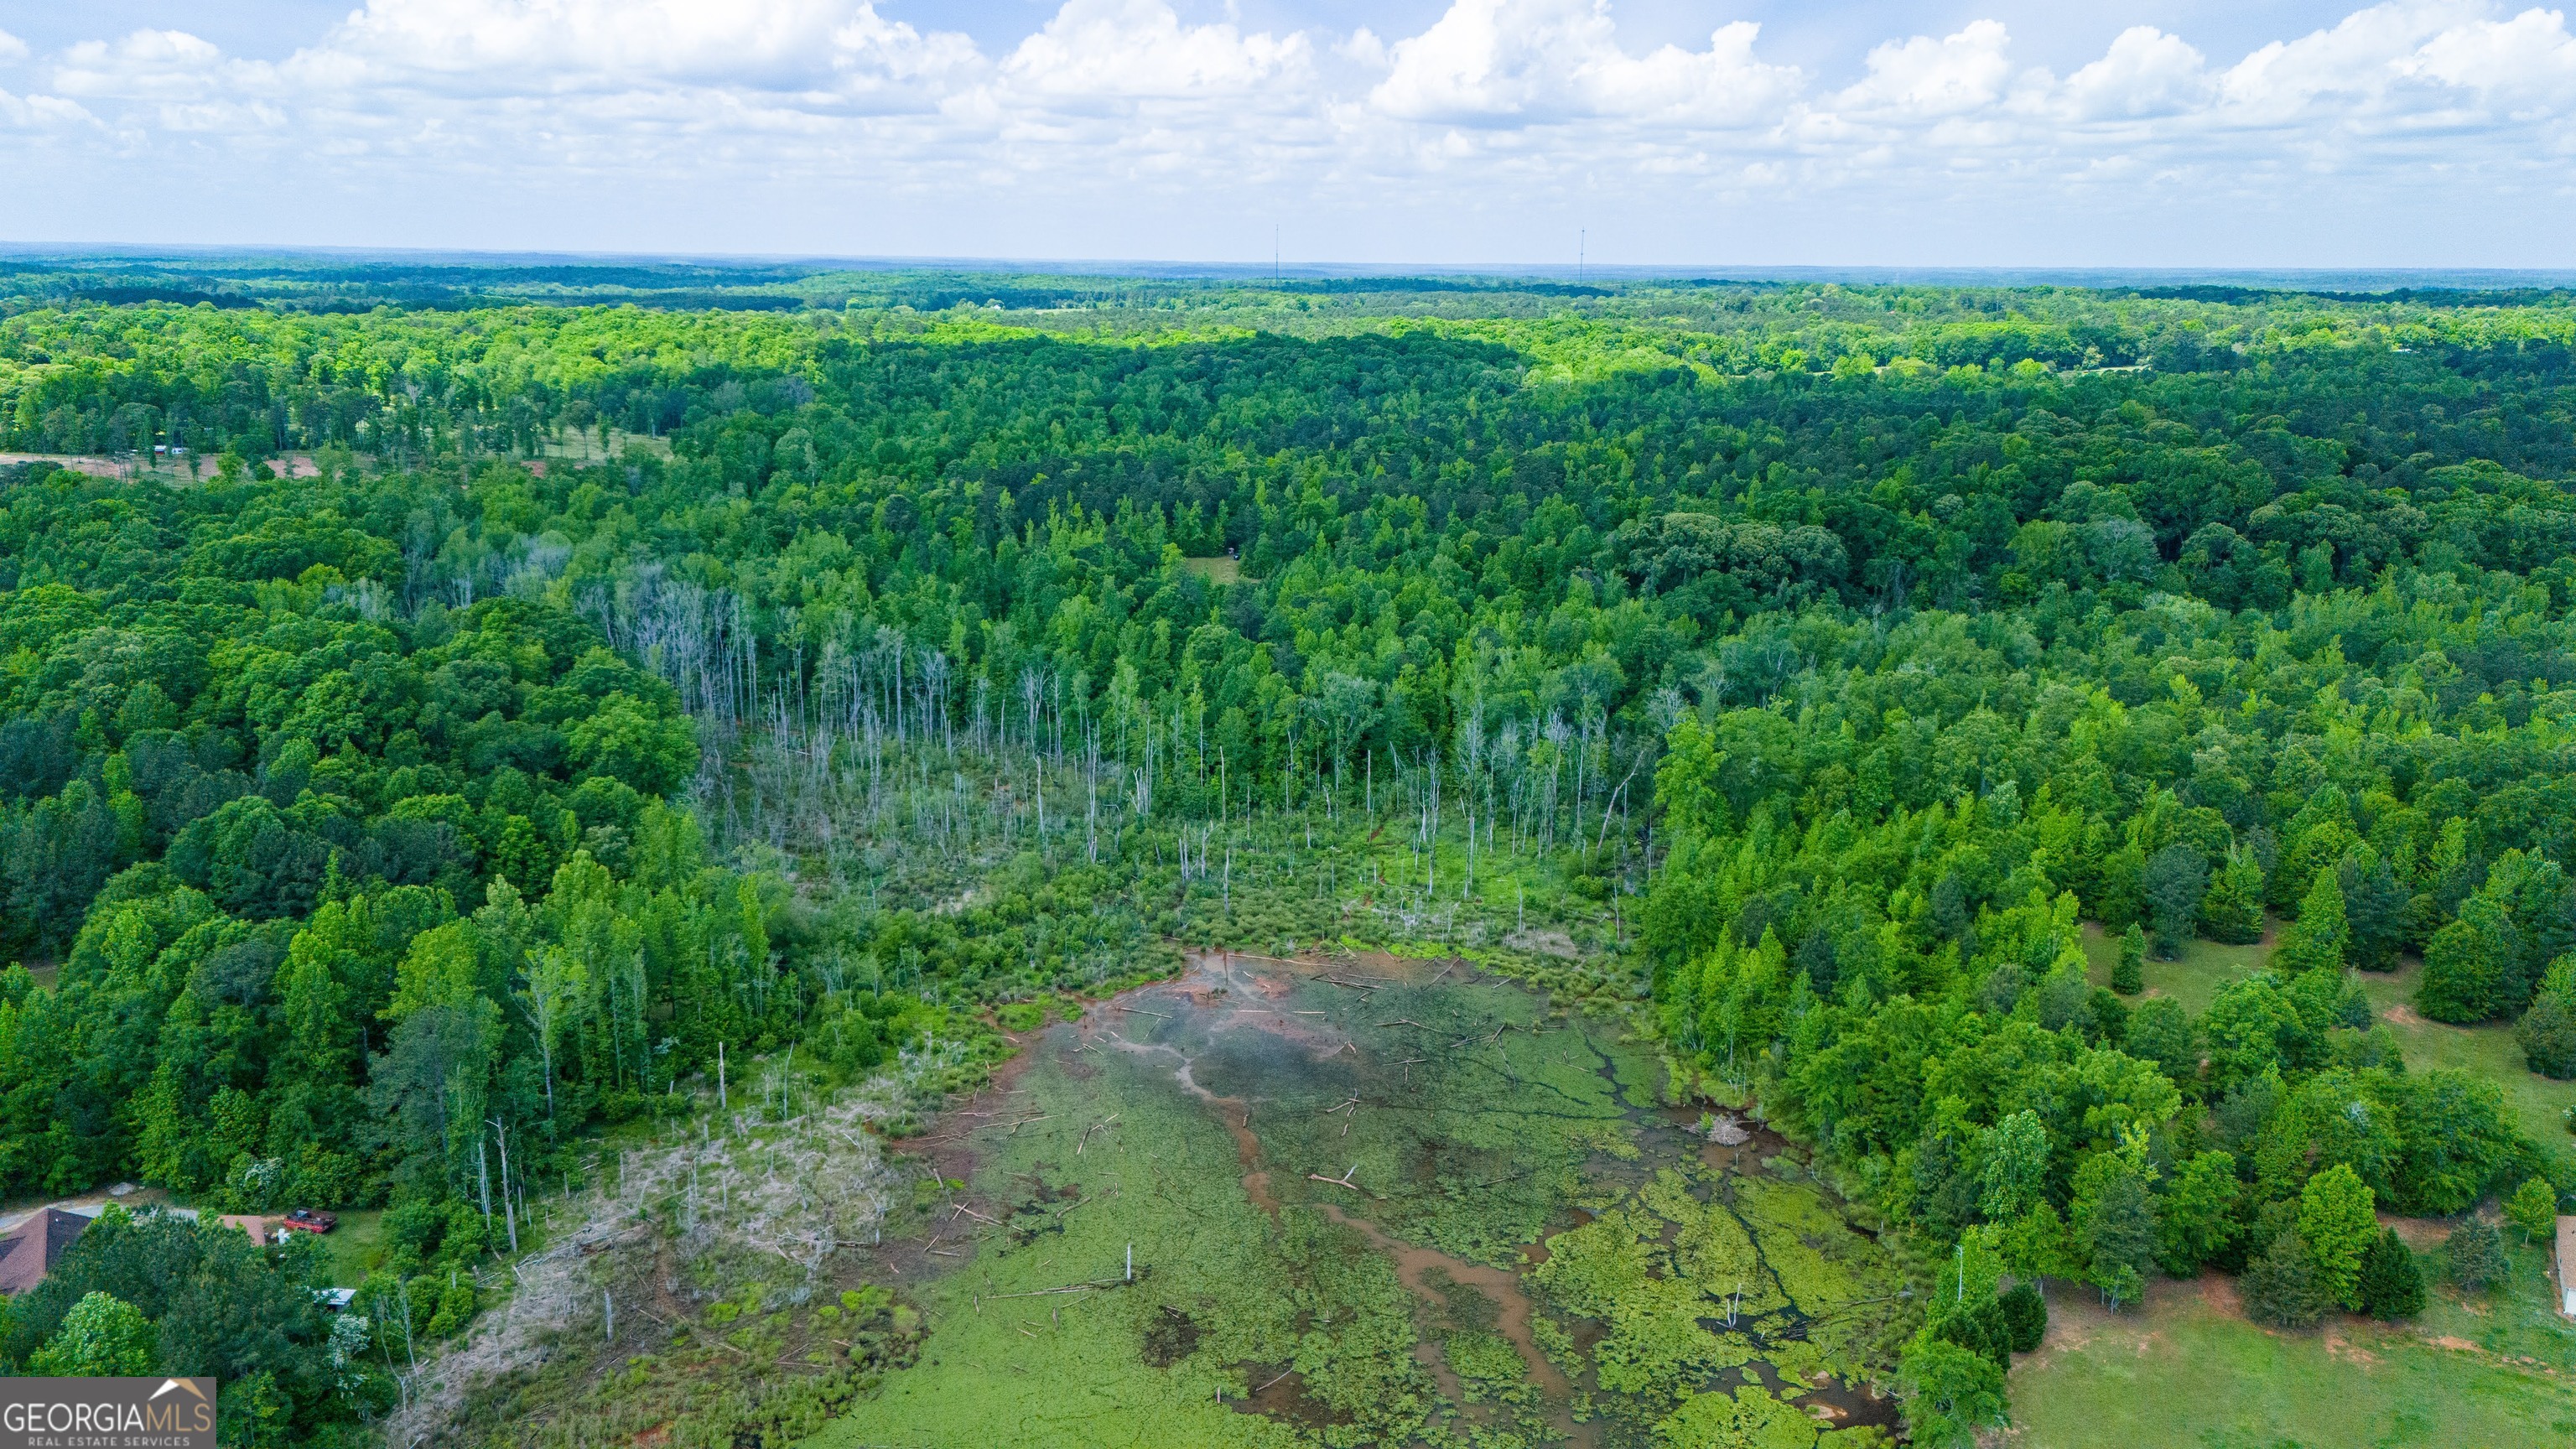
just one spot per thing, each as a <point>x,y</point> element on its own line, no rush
<point>1212,977</point>
<point>1273,1048</point>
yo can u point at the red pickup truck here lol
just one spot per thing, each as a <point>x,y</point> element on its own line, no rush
<point>306,1220</point>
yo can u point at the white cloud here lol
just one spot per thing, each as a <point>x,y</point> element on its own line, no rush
<point>1523,62</point>
<point>2146,73</point>
<point>11,48</point>
<point>1495,105</point>
<point>1138,49</point>
<point>1923,77</point>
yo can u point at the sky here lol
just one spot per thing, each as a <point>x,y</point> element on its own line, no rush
<point>2134,133</point>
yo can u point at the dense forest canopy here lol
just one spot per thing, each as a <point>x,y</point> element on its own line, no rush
<point>533,700</point>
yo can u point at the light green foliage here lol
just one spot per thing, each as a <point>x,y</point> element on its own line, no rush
<point>1950,1393</point>
<point>1749,1418</point>
<point>2533,1208</point>
<point>2336,1221</point>
<point>102,1336</point>
<point>2317,940</point>
<point>2015,1153</point>
<point>2199,1213</point>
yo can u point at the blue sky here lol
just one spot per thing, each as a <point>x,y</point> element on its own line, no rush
<point>2258,133</point>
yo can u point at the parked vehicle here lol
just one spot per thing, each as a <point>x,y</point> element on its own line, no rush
<point>306,1220</point>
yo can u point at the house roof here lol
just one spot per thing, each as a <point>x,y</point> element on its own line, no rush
<point>30,1251</point>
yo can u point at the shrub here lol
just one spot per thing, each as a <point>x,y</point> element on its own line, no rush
<point>2025,1315</point>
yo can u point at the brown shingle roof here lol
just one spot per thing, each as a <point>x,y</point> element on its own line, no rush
<point>30,1251</point>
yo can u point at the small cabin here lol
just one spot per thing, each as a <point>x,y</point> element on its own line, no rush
<point>2567,1266</point>
<point>30,1251</point>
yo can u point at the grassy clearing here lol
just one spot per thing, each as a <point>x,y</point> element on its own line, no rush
<point>2188,1369</point>
<point>2195,979</point>
<point>2538,1104</point>
<point>353,1247</point>
<point>1066,1369</point>
<point>1216,570</point>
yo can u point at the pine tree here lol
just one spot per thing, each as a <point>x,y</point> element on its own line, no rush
<point>2280,1287</point>
<point>2392,1286</point>
<point>2233,910</point>
<point>2476,1251</point>
<point>2129,974</point>
<point>2316,941</point>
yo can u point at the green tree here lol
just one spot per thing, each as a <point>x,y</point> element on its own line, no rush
<point>2232,912</point>
<point>2114,1224</point>
<point>2336,1222</point>
<point>2316,940</point>
<point>2462,968</point>
<point>2014,1168</point>
<point>2199,1218</point>
<point>2547,1032</point>
<point>2392,1285</point>
<point>2534,1209</point>
<point>2173,880</point>
<point>2025,1315</point>
<point>2280,1285</point>
<point>102,1336</point>
<point>1950,1392</point>
<point>2128,973</point>
<point>2476,1253</point>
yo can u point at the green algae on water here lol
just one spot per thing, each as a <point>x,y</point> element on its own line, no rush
<point>1379,1203</point>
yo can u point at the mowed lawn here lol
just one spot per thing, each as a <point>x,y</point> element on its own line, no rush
<point>350,1249</point>
<point>2538,1104</point>
<point>2205,965</point>
<point>2188,1369</point>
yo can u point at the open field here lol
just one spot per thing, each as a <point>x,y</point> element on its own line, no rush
<point>1216,570</point>
<point>2205,965</point>
<point>2538,1104</point>
<point>351,1248</point>
<point>2189,1369</point>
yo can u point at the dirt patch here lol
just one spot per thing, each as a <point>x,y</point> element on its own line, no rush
<point>2421,1234</point>
<point>2218,1291</point>
<point>2401,1015</point>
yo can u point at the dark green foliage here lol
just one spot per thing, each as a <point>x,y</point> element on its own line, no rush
<point>2392,1284</point>
<point>2232,911</point>
<point>2280,1285</point>
<point>219,1305</point>
<point>2476,1253</point>
<point>2025,1311</point>
<point>1981,1326</point>
<point>343,803</point>
<point>2547,1032</point>
<point>2129,973</point>
<point>2174,881</point>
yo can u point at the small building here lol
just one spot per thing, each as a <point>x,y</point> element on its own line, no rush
<point>251,1223</point>
<point>2567,1266</point>
<point>31,1249</point>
